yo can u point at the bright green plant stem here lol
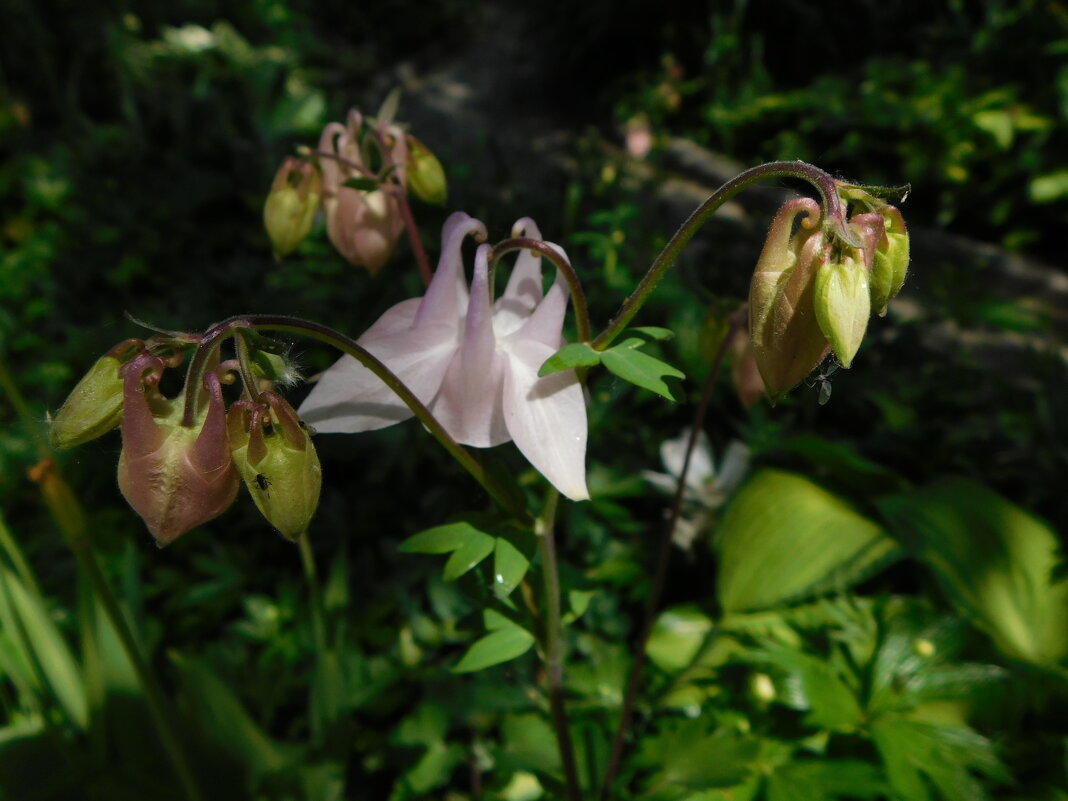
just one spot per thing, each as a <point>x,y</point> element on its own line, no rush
<point>834,213</point>
<point>213,337</point>
<point>663,558</point>
<point>578,297</point>
<point>77,540</point>
<point>554,643</point>
<point>315,594</point>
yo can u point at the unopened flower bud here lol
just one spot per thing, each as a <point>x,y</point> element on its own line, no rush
<point>843,305</point>
<point>364,226</point>
<point>891,261</point>
<point>94,406</point>
<point>291,205</point>
<point>277,461</point>
<point>426,176</point>
<point>745,375</point>
<point>786,336</point>
<point>174,476</point>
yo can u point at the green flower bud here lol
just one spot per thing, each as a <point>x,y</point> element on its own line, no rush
<point>275,457</point>
<point>426,176</point>
<point>94,407</point>
<point>787,340</point>
<point>891,261</point>
<point>843,305</point>
<point>291,204</point>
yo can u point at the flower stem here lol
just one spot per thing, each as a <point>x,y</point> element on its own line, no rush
<point>194,378</point>
<point>578,297</point>
<point>554,644</point>
<point>413,234</point>
<point>832,206</point>
<point>353,348</point>
<point>652,601</point>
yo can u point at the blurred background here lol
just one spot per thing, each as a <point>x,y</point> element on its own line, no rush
<point>137,144</point>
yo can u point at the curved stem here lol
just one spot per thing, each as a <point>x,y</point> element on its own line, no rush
<point>244,361</point>
<point>354,165</point>
<point>354,349</point>
<point>194,377</point>
<point>652,601</point>
<point>578,297</point>
<point>824,184</point>
<point>554,644</point>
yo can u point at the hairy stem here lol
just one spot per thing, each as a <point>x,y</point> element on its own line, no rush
<point>824,184</point>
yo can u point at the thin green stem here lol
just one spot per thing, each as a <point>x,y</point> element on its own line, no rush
<point>194,379</point>
<point>652,601</point>
<point>244,361</point>
<point>18,559</point>
<point>315,594</point>
<point>578,297</point>
<point>554,644</point>
<point>824,184</point>
<point>353,348</point>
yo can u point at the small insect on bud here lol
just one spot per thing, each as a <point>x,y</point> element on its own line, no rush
<point>94,406</point>
<point>176,477</point>
<point>291,204</point>
<point>426,176</point>
<point>786,336</point>
<point>275,457</point>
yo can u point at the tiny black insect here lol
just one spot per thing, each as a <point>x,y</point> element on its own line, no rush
<point>262,481</point>
<point>823,379</point>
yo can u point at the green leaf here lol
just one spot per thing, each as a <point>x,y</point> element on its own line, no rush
<point>224,722</point>
<point>785,538</point>
<point>689,756</point>
<point>808,683</point>
<point>677,636</point>
<point>49,650</point>
<point>361,184</point>
<point>652,332</point>
<point>442,539</point>
<point>577,354</point>
<point>945,755</point>
<point>640,369</point>
<point>468,555</point>
<point>994,561</point>
<point>502,645</point>
<point>826,780</point>
<point>509,567</point>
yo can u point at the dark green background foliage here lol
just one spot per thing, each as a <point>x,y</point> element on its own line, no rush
<point>872,616</point>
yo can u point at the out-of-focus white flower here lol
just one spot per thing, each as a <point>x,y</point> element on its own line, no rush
<point>706,489</point>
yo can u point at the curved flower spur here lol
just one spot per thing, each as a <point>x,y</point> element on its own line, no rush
<point>473,362</point>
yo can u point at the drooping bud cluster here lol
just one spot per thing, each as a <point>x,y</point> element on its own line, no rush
<point>182,457</point>
<point>363,170</point>
<point>816,283</point>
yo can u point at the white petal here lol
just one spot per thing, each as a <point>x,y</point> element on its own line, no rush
<point>673,453</point>
<point>734,467</point>
<point>546,417</point>
<point>445,300</point>
<point>469,405</point>
<point>350,398</point>
<point>522,294</point>
<point>397,318</point>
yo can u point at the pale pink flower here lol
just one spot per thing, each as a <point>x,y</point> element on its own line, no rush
<point>473,362</point>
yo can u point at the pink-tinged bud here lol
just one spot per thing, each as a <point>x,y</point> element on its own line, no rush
<point>786,336</point>
<point>94,406</point>
<point>364,226</point>
<point>891,261</point>
<point>275,457</point>
<point>426,176</point>
<point>745,375</point>
<point>175,477</point>
<point>291,204</point>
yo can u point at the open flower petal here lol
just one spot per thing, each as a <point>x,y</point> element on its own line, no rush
<point>547,417</point>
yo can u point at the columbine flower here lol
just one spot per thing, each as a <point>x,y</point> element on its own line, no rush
<point>706,490</point>
<point>473,362</point>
